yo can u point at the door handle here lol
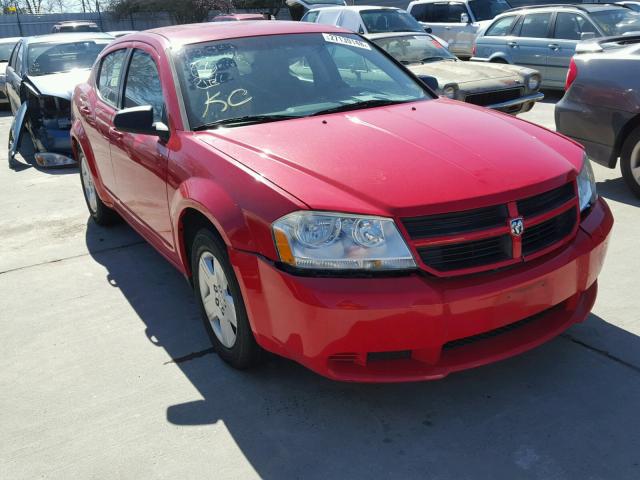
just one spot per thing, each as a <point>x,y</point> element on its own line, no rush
<point>554,46</point>
<point>115,134</point>
<point>512,44</point>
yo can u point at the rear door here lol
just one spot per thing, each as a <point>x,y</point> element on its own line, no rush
<point>530,44</point>
<point>568,30</point>
<point>98,108</point>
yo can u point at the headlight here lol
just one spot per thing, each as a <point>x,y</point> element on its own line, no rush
<point>586,185</point>
<point>533,82</point>
<point>450,91</point>
<point>335,241</point>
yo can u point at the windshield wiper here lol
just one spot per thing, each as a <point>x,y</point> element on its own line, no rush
<point>358,105</point>
<point>246,120</point>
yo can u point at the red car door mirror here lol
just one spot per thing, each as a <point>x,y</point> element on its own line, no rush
<point>140,120</point>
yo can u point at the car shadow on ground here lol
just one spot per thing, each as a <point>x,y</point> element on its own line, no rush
<point>565,410</point>
<point>616,189</point>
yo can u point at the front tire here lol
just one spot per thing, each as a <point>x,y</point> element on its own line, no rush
<point>100,213</point>
<point>221,303</point>
<point>630,161</point>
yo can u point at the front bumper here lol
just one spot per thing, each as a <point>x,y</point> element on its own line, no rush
<point>419,327</point>
<point>525,103</point>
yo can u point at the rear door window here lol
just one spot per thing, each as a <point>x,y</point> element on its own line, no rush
<point>109,76</point>
<point>455,11</point>
<point>535,25</point>
<point>502,27</point>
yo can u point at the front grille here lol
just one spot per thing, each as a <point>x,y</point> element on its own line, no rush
<point>491,98</point>
<point>489,241</point>
<point>458,256</point>
<point>547,201</point>
<point>547,233</point>
<point>461,342</point>
<point>456,222</point>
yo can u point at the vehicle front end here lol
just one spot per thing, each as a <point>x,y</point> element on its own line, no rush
<point>505,88</point>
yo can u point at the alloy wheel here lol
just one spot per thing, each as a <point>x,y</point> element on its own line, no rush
<point>88,185</point>
<point>217,299</point>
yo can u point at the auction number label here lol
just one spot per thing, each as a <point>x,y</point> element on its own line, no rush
<point>350,42</point>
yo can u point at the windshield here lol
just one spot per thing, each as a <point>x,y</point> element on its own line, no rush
<point>414,49</point>
<point>284,76</point>
<point>48,58</point>
<point>383,20</point>
<point>5,51</point>
<point>487,9</point>
<point>617,21</point>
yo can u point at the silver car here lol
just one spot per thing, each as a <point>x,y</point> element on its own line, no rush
<point>545,37</point>
<point>508,88</point>
<point>601,107</point>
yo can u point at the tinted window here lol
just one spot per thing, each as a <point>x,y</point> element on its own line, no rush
<point>502,27</point>
<point>48,58</point>
<point>379,21</point>
<point>5,51</point>
<point>431,12</point>
<point>310,17</point>
<point>293,75</point>
<point>455,11</point>
<point>535,25</point>
<point>109,76</point>
<point>617,21</point>
<point>569,26</point>
<point>143,86</point>
<point>488,9</point>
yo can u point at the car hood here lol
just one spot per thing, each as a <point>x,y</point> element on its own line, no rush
<point>409,159</point>
<point>467,72</point>
<point>59,84</point>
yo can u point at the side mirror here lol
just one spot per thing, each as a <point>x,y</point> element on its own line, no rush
<point>431,82</point>
<point>464,18</point>
<point>140,120</point>
<point>587,36</point>
<point>428,29</point>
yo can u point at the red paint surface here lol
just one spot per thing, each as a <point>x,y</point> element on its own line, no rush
<point>414,159</point>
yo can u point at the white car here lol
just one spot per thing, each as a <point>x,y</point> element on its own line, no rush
<point>365,19</point>
<point>635,6</point>
<point>457,22</point>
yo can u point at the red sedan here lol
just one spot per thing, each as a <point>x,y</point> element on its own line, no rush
<point>328,207</point>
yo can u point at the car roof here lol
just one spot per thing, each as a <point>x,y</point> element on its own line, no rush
<point>353,8</point>
<point>207,32</point>
<point>68,37</point>
<point>75,22</point>
<point>10,40</point>
<point>584,7</point>
<point>378,36</point>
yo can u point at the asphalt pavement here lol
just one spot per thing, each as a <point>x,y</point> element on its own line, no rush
<point>106,372</point>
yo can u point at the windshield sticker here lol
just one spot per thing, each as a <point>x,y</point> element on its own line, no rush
<point>235,99</point>
<point>350,42</point>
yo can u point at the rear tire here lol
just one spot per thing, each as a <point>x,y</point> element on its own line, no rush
<point>100,213</point>
<point>630,161</point>
<point>221,304</point>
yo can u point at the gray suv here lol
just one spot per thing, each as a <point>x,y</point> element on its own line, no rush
<point>601,107</point>
<point>544,37</point>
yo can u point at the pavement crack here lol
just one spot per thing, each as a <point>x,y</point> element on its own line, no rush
<point>604,353</point>
<point>56,260</point>
<point>191,356</point>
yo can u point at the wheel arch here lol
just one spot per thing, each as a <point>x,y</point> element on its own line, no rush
<point>622,135</point>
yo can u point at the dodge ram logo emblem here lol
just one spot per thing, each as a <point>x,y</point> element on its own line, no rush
<point>517,227</point>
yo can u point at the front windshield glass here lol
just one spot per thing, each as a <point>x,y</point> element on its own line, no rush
<point>414,49</point>
<point>5,51</point>
<point>48,58</point>
<point>284,76</point>
<point>617,21</point>
<point>387,20</point>
<point>488,9</point>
